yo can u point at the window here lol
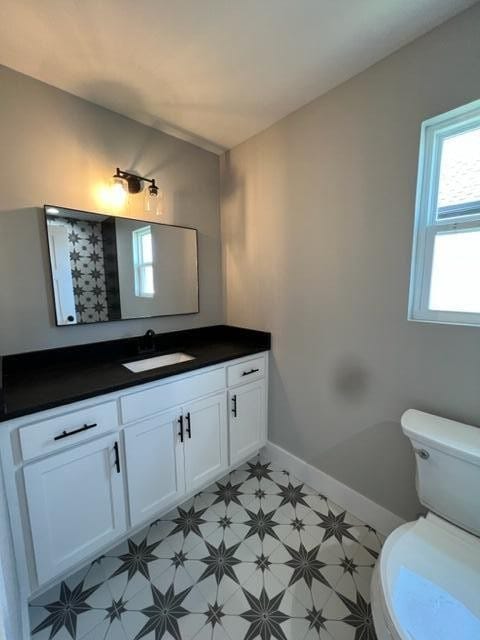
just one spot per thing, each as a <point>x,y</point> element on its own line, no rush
<point>445,279</point>
<point>143,262</point>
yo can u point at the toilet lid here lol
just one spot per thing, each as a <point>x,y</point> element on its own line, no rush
<point>430,573</point>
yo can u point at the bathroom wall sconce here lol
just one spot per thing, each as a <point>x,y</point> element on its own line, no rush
<point>126,183</point>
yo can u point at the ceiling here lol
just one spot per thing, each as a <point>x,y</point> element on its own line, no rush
<point>214,72</point>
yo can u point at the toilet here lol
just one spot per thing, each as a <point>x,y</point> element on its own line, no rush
<point>426,582</point>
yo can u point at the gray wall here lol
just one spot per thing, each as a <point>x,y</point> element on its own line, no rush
<point>59,149</point>
<point>317,217</point>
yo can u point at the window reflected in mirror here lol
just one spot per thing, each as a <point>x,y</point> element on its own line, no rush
<point>143,262</point>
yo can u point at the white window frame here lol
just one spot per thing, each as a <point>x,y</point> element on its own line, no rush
<point>138,261</point>
<point>426,226</point>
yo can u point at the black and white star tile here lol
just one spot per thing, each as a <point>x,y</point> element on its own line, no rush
<point>88,270</point>
<point>258,554</point>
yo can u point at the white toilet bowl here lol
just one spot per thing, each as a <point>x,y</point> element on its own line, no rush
<point>426,582</point>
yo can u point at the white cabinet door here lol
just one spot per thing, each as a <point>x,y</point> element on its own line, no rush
<point>247,420</point>
<point>205,424</point>
<point>75,503</point>
<point>155,471</point>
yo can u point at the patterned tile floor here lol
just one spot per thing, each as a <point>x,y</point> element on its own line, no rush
<point>256,555</point>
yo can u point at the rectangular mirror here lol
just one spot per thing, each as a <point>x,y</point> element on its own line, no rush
<point>108,268</point>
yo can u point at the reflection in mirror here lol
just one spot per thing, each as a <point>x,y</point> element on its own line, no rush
<point>108,268</point>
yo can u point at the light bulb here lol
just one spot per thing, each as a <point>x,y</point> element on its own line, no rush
<point>153,202</point>
<point>118,193</point>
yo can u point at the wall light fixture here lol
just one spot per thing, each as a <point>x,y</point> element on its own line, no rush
<point>130,183</point>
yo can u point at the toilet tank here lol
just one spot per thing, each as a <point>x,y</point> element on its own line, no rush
<point>448,467</point>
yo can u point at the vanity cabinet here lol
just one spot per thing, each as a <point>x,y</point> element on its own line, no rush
<point>75,504</point>
<point>81,477</point>
<point>173,453</point>
<point>155,465</point>
<point>206,433</point>
<point>247,420</point>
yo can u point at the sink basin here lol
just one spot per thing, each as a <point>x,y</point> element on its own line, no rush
<point>157,362</point>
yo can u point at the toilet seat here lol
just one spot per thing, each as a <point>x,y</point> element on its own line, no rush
<point>426,584</point>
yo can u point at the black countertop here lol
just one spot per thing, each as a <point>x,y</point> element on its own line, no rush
<point>50,378</point>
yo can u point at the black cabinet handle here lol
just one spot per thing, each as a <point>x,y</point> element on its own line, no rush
<point>248,373</point>
<point>180,433</point>
<point>234,406</point>
<point>188,428</point>
<point>65,434</point>
<point>117,457</point>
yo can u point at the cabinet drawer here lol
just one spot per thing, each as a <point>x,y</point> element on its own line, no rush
<point>144,403</point>
<point>68,429</point>
<point>246,371</point>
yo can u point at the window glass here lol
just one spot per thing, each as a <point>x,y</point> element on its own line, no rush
<point>143,262</point>
<point>455,282</point>
<point>147,288</point>
<point>147,246</point>
<point>459,181</point>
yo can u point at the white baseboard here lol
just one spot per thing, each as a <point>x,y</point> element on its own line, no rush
<point>383,520</point>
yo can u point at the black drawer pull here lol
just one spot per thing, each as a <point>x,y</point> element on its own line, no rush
<point>188,428</point>
<point>234,406</point>
<point>180,433</point>
<point>65,434</point>
<point>248,373</point>
<point>117,457</point>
